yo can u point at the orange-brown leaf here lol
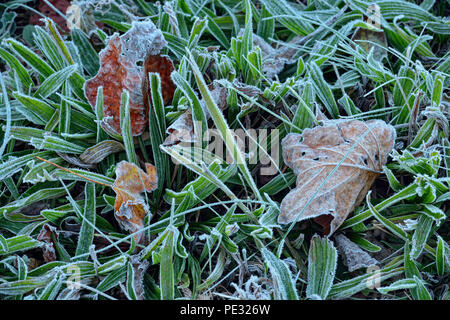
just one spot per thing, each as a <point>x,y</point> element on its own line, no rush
<point>130,207</point>
<point>313,156</point>
<point>121,69</point>
<point>117,73</point>
<point>164,66</point>
<point>49,252</point>
<point>182,129</point>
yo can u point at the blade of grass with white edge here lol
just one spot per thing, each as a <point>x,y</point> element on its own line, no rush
<point>30,57</point>
<point>89,56</point>
<point>64,112</point>
<point>412,271</point>
<point>398,285</point>
<point>199,120</point>
<point>3,245</point>
<point>222,126</point>
<point>86,235</point>
<point>52,288</point>
<point>347,288</point>
<point>396,230</point>
<point>21,243</point>
<point>7,129</point>
<point>157,128</point>
<point>15,65</point>
<point>405,193</point>
<point>125,126</point>
<point>280,275</point>
<point>131,290</point>
<point>39,195</point>
<point>202,171</point>
<point>15,164</point>
<point>440,256</point>
<point>166,271</point>
<point>215,274</point>
<point>322,261</point>
<point>54,82</point>
<point>421,235</point>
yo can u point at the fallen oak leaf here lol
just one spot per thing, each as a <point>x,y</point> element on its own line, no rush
<point>335,165</point>
<point>130,208</point>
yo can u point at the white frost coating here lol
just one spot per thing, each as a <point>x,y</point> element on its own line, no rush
<point>354,257</point>
<point>253,289</point>
<point>143,39</point>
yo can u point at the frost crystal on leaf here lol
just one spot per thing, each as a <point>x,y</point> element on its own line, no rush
<point>354,257</point>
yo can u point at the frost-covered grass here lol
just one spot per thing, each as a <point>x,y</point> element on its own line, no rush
<point>212,232</point>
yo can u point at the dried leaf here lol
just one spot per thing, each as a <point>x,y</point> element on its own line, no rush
<point>139,267</point>
<point>335,165</point>
<point>45,236</point>
<point>93,155</point>
<point>120,69</point>
<point>72,159</point>
<point>130,208</point>
<point>371,39</point>
<point>46,10</point>
<point>100,151</point>
<point>354,257</point>
<point>164,66</point>
<point>182,130</point>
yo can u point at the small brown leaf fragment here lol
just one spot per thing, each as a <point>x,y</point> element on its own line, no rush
<point>45,236</point>
<point>328,196</point>
<point>164,66</point>
<point>372,39</point>
<point>48,11</point>
<point>75,160</point>
<point>130,208</point>
<point>353,256</point>
<point>182,129</point>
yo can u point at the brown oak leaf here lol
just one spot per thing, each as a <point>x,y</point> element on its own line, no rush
<point>130,208</point>
<point>335,165</point>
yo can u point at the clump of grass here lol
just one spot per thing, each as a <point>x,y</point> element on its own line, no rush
<point>212,230</point>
